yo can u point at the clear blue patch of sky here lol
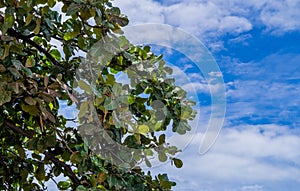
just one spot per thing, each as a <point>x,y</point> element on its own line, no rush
<point>260,45</point>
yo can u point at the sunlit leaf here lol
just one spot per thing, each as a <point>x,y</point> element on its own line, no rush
<point>143,129</point>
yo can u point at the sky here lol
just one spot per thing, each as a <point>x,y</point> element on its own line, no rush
<point>256,45</point>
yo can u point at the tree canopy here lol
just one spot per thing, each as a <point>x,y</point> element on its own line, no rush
<point>54,52</point>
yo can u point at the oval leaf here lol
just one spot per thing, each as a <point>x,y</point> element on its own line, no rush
<point>143,129</point>
<point>177,162</point>
<point>162,157</point>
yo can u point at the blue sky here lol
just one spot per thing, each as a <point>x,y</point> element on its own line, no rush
<point>256,44</point>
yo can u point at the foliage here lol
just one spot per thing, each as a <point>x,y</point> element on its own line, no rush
<point>39,57</point>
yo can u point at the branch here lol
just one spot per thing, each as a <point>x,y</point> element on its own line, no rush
<point>72,176</point>
<point>26,39</point>
<point>17,129</point>
<point>56,161</point>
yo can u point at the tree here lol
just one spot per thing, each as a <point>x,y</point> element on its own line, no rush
<point>36,77</point>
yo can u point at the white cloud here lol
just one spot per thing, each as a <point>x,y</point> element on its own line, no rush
<point>209,20</point>
<point>252,188</point>
<point>281,16</point>
<point>196,87</point>
<point>195,18</point>
<point>201,18</point>
<point>277,16</point>
<point>216,74</point>
<point>241,39</point>
<point>246,155</point>
<point>234,24</point>
<point>144,11</point>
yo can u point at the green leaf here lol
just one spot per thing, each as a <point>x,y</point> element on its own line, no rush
<point>56,54</point>
<point>5,53</point>
<point>117,89</point>
<point>182,127</point>
<point>178,163</point>
<point>96,91</point>
<point>143,129</point>
<point>41,147</point>
<point>36,156</point>
<point>148,163</point>
<point>24,174</point>
<point>30,62</point>
<point>21,151</point>
<point>40,172</point>
<point>121,20</point>
<point>19,66</point>
<point>83,109</point>
<point>37,26</point>
<point>162,156</point>
<point>168,70</point>
<point>5,96</point>
<point>81,188</point>
<point>9,19</point>
<point>84,86</point>
<point>73,8</point>
<point>110,104</point>
<point>162,139</point>
<point>66,156</point>
<point>15,72</point>
<point>76,158</point>
<point>81,42</point>
<point>147,48</point>
<point>125,155</point>
<point>42,1</point>
<point>57,171</point>
<point>70,35</point>
<point>85,144</point>
<point>28,19</point>
<point>112,180</point>
<point>158,125</point>
<point>68,51</point>
<point>51,3</point>
<point>110,79</point>
<point>32,143</point>
<point>50,140</point>
<point>64,185</point>
<point>32,110</point>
